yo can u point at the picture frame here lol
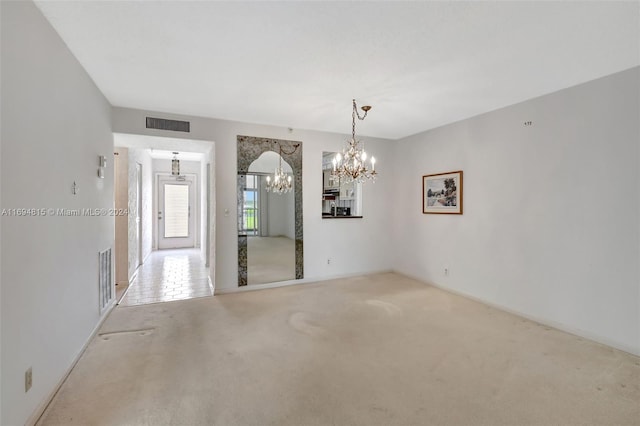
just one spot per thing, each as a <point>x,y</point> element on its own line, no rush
<point>442,193</point>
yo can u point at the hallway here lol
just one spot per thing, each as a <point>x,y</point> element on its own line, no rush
<point>169,275</point>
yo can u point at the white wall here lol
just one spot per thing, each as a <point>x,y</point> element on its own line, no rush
<point>204,199</point>
<point>121,191</point>
<point>551,211</point>
<point>355,245</point>
<point>191,168</point>
<point>55,124</point>
<point>281,215</point>
<point>142,157</point>
<point>263,209</point>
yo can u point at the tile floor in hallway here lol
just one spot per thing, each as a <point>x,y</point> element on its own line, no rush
<point>169,275</point>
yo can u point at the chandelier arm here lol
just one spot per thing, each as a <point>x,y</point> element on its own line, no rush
<point>364,108</point>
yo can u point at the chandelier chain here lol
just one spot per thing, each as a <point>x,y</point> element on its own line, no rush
<point>355,114</point>
<point>352,165</point>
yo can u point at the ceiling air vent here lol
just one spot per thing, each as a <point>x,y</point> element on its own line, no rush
<point>164,124</point>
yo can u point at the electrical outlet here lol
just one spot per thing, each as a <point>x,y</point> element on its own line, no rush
<point>28,379</point>
<point>328,261</point>
<point>446,272</point>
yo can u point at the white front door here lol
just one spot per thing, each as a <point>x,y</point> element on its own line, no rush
<point>175,212</point>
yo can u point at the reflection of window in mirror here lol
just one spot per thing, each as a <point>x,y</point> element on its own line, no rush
<point>340,199</point>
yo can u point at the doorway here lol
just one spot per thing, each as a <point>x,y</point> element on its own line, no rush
<point>169,258</point>
<point>176,200</point>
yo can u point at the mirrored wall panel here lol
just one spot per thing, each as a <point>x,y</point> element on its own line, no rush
<point>269,222</point>
<point>269,210</point>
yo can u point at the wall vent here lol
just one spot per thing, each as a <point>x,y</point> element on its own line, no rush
<point>105,285</point>
<point>164,124</point>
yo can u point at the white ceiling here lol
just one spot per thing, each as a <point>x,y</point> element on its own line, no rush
<point>299,64</point>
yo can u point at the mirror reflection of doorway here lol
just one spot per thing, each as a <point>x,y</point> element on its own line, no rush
<point>269,222</point>
<point>175,219</point>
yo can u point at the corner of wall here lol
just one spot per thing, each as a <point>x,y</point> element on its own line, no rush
<point>538,234</point>
<point>44,88</point>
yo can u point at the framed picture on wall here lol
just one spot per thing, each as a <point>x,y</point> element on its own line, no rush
<point>442,193</point>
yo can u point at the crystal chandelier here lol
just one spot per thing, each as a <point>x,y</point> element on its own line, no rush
<point>351,165</point>
<point>281,181</point>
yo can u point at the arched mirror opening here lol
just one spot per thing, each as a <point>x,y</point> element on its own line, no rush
<point>269,210</point>
<point>340,199</point>
<point>269,222</point>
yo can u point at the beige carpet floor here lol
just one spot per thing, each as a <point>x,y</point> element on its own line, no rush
<point>376,350</point>
<point>270,259</point>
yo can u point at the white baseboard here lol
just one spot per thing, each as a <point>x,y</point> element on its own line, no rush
<point>253,287</point>
<point>559,326</point>
<point>42,407</point>
<point>134,275</point>
<point>211,286</point>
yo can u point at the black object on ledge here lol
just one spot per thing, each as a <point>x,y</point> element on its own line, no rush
<point>328,216</point>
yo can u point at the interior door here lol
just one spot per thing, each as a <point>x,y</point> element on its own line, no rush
<point>175,213</point>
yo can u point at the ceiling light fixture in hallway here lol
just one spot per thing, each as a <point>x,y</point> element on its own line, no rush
<point>175,165</point>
